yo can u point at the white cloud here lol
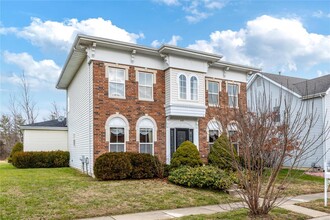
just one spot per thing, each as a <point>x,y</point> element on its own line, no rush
<point>41,73</point>
<point>321,14</point>
<point>196,10</point>
<point>168,2</point>
<point>322,73</point>
<point>60,35</point>
<point>275,43</point>
<point>174,41</point>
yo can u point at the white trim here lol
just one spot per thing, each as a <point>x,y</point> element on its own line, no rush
<point>146,70</point>
<point>152,86</point>
<point>275,83</point>
<point>219,90</point>
<point>235,96</point>
<point>24,127</point>
<point>197,87</point>
<point>138,127</point>
<point>107,127</point>
<point>117,67</point>
<point>179,86</point>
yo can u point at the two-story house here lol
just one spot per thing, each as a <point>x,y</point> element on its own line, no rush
<point>127,97</point>
<point>298,96</point>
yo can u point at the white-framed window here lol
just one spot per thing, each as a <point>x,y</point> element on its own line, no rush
<point>146,134</point>
<point>145,86</point>
<point>232,128</point>
<point>214,130</point>
<point>116,82</point>
<point>183,86</point>
<point>213,93</point>
<point>146,141</point>
<point>193,88</point>
<point>117,139</point>
<point>232,90</point>
<point>116,132</point>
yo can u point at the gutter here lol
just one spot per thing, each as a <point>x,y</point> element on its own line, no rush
<point>43,128</point>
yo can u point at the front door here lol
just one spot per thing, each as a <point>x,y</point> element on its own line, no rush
<point>180,135</point>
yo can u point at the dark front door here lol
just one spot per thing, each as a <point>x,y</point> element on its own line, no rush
<point>180,135</point>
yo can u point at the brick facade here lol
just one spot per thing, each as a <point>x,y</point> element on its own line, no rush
<point>223,114</point>
<point>133,108</point>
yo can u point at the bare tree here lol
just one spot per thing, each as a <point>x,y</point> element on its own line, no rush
<point>26,102</point>
<point>55,111</point>
<point>9,134</point>
<point>268,140</point>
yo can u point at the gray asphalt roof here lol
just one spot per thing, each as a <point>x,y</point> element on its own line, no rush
<point>50,123</point>
<point>302,86</point>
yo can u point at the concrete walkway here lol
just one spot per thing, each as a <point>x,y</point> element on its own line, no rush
<point>286,203</point>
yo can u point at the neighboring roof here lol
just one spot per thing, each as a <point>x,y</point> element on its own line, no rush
<point>57,124</point>
<point>78,54</point>
<point>301,86</point>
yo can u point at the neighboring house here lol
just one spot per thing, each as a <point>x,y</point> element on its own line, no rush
<point>310,93</point>
<point>127,97</point>
<point>46,136</point>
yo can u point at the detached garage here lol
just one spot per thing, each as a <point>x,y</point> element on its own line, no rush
<point>46,136</point>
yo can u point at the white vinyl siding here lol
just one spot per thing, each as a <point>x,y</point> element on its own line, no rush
<point>45,140</point>
<point>79,119</point>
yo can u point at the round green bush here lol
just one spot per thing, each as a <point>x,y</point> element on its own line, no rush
<point>202,177</point>
<point>143,165</point>
<point>18,147</point>
<point>220,154</point>
<point>186,155</point>
<point>112,166</point>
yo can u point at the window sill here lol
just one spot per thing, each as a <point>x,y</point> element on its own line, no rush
<point>117,97</point>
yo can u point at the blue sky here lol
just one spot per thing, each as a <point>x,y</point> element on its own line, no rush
<point>35,36</point>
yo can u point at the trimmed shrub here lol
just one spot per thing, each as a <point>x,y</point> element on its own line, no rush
<point>220,154</point>
<point>143,165</point>
<point>18,147</point>
<point>186,155</point>
<point>112,166</point>
<point>40,159</point>
<point>202,177</point>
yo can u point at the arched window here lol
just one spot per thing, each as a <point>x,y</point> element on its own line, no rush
<point>193,88</point>
<point>146,134</point>
<point>117,129</point>
<point>183,87</point>
<point>214,130</point>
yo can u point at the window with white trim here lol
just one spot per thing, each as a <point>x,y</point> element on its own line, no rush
<point>232,129</point>
<point>213,93</point>
<point>193,88</point>
<point>183,86</point>
<point>117,139</point>
<point>214,130</point>
<point>116,82</point>
<point>232,90</point>
<point>145,86</point>
<point>116,132</point>
<point>146,140</point>
<point>146,130</point>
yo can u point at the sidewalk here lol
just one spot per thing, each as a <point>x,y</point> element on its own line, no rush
<point>211,209</point>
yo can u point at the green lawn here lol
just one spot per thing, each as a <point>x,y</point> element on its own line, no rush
<point>242,214</point>
<point>64,193</point>
<point>316,205</point>
<point>301,183</point>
